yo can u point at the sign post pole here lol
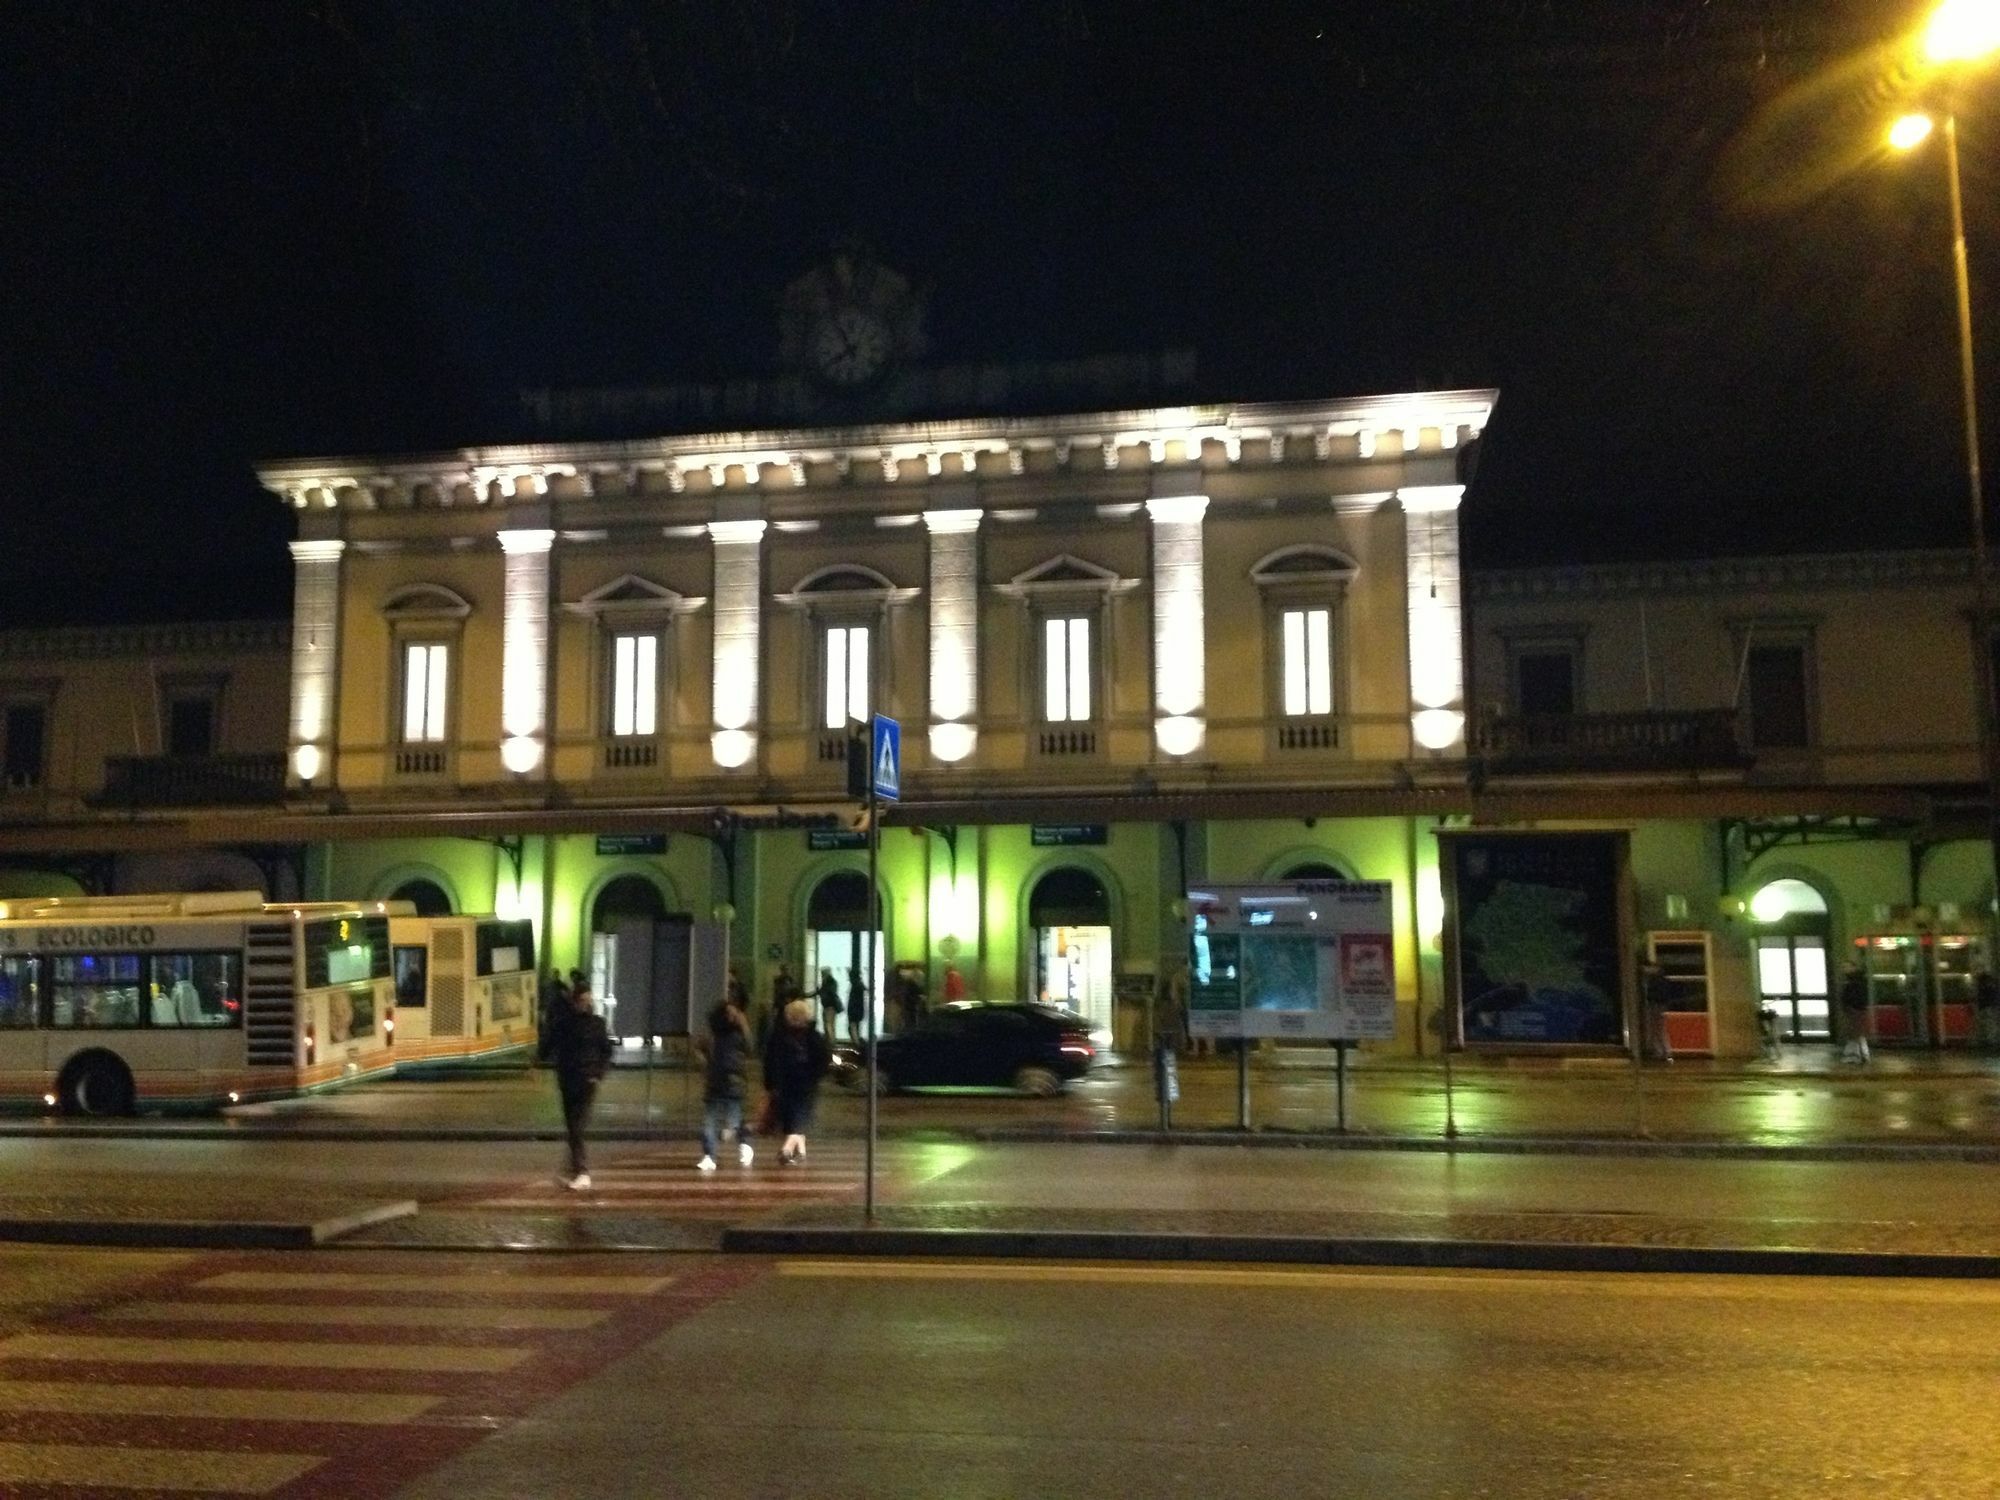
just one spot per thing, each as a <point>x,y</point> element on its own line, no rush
<point>868,971</point>
<point>885,783</point>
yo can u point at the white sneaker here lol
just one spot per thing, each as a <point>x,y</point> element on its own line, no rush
<point>745,1154</point>
<point>706,1164</point>
<point>579,1183</point>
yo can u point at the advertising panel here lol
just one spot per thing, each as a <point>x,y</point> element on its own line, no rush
<point>1309,958</point>
<point>1537,927</point>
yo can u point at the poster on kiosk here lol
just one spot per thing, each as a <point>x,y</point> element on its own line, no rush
<point>1312,958</point>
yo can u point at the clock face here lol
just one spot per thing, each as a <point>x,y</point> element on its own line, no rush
<point>850,346</point>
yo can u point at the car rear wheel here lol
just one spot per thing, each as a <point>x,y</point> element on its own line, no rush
<point>1038,1081</point>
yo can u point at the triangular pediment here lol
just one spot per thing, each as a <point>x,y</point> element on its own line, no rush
<point>1066,567</point>
<point>844,578</point>
<point>629,593</point>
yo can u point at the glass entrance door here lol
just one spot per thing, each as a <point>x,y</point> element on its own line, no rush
<point>1792,980</point>
<point>1074,966</point>
<point>842,952</point>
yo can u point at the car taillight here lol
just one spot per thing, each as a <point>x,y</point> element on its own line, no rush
<point>1077,1043</point>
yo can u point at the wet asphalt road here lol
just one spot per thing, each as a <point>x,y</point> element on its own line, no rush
<point>442,1377</point>
<point>977,1380</point>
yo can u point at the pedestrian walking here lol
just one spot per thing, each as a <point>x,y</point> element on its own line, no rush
<point>794,1064</point>
<point>1656,995</point>
<point>857,1005</point>
<point>1986,1006</point>
<point>725,1082</point>
<point>829,1002</point>
<point>548,1015</point>
<point>1854,1015</point>
<point>580,1047</point>
<point>1767,1032</point>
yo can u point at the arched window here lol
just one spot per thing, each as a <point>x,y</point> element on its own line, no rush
<point>427,896</point>
<point>625,897</point>
<point>1312,870</point>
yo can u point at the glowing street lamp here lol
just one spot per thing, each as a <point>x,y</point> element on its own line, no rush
<point>1962,32</point>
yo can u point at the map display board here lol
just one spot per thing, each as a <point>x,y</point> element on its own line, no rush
<point>1537,925</point>
<point>1308,958</point>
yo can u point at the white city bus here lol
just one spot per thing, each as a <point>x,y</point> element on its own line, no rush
<point>465,990</point>
<point>110,1004</point>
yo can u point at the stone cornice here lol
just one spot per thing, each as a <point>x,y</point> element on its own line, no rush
<point>917,453</point>
<point>84,642</point>
<point>1825,570</point>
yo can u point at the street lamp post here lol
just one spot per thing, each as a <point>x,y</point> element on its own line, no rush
<point>1960,32</point>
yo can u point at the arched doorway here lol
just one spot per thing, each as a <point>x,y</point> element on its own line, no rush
<point>1069,913</point>
<point>1312,870</point>
<point>1793,934</point>
<point>837,921</point>
<point>427,896</point>
<point>630,912</point>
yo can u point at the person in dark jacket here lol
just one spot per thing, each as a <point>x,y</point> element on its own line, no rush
<point>725,1082</point>
<point>1854,1015</point>
<point>580,1047</point>
<point>829,1000</point>
<point>794,1063</point>
<point>857,1006</point>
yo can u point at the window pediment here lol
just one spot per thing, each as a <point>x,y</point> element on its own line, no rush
<point>1066,574</point>
<point>629,596</point>
<point>426,601</point>
<point>1304,564</point>
<point>845,585</point>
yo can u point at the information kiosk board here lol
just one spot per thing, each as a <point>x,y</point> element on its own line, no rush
<point>1309,958</point>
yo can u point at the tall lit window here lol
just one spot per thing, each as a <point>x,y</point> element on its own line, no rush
<point>1066,670</point>
<point>426,678</point>
<point>635,684</point>
<point>1308,636</point>
<point>846,657</point>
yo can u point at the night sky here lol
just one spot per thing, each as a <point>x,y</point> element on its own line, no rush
<point>290,227</point>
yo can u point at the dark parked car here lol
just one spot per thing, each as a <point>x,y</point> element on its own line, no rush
<point>1033,1048</point>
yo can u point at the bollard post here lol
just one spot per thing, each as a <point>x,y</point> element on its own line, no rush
<point>1166,1082</point>
<point>1340,1084</point>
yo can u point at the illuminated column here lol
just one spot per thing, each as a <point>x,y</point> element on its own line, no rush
<point>954,606</point>
<point>1179,653</point>
<point>1437,662</point>
<point>315,656</point>
<point>738,616</point>
<point>524,650</point>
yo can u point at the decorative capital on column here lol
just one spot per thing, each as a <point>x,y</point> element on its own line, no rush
<point>727,533</point>
<point>952,522</point>
<point>1430,499</point>
<point>319,551</point>
<point>536,539</point>
<point>1171,508</point>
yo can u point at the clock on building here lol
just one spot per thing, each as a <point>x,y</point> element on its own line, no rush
<point>849,322</point>
<point>850,345</point>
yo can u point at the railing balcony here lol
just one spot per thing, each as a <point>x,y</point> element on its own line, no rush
<point>247,779</point>
<point>420,761</point>
<point>1065,741</point>
<point>1704,739</point>
<point>631,754</point>
<point>1303,735</point>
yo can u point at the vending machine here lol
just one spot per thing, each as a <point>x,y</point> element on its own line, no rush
<point>1920,985</point>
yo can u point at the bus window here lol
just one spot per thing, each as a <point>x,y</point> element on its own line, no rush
<point>412,969</point>
<point>194,989</point>
<point>94,989</point>
<point>17,992</point>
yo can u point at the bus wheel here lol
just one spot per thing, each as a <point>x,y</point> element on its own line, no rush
<point>100,1085</point>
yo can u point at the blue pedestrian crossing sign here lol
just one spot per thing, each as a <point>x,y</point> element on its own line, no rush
<point>885,758</point>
